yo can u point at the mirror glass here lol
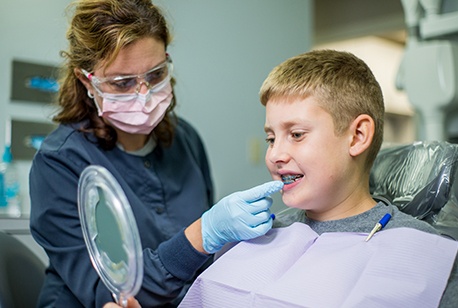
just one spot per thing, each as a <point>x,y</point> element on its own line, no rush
<point>110,232</point>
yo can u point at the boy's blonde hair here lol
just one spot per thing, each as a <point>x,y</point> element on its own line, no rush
<point>341,83</point>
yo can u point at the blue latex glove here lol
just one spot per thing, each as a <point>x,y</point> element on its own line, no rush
<point>240,216</point>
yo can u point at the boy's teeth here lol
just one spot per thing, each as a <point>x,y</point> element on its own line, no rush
<point>288,179</point>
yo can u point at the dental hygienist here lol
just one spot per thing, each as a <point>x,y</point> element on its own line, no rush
<point>116,110</point>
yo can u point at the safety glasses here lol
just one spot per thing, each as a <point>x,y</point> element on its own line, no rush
<point>153,79</point>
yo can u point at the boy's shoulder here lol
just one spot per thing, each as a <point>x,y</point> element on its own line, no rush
<point>401,219</point>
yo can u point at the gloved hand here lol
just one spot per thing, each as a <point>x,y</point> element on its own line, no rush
<point>239,216</point>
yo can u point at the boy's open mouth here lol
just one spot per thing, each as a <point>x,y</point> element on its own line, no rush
<point>290,178</point>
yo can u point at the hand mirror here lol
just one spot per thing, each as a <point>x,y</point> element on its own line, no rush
<point>110,232</point>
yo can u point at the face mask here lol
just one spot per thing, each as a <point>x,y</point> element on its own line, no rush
<point>135,113</point>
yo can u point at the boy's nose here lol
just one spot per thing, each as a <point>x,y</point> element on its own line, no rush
<point>277,154</point>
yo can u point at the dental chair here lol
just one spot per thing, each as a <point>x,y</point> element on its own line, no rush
<point>21,274</point>
<point>419,178</point>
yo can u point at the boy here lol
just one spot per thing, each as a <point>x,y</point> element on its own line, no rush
<point>324,126</point>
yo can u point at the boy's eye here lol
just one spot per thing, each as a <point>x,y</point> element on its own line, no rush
<point>270,140</point>
<point>297,135</point>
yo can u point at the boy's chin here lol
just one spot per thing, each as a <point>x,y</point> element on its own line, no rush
<point>291,204</point>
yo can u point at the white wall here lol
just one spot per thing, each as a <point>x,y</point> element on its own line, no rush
<point>222,52</point>
<point>32,31</point>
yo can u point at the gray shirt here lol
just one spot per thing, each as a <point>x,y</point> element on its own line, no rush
<point>365,222</point>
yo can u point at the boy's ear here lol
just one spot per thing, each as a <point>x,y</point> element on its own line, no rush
<point>362,132</point>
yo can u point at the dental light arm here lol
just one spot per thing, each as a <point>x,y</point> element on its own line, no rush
<point>428,72</point>
<point>412,14</point>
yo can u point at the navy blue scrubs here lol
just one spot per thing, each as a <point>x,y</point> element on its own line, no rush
<point>168,189</point>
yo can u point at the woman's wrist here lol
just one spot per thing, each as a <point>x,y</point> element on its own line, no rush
<point>194,235</point>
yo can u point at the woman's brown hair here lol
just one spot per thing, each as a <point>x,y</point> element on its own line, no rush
<point>99,29</point>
